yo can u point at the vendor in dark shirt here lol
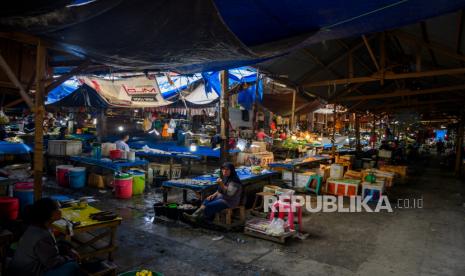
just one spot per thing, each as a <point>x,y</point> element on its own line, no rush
<point>37,252</point>
<point>228,194</point>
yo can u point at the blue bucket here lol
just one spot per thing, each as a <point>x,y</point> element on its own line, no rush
<point>24,191</point>
<point>77,177</point>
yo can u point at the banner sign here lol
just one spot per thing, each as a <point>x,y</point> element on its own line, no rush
<point>136,92</point>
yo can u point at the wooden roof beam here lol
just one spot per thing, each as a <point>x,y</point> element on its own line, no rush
<point>387,76</point>
<point>16,82</point>
<point>406,92</point>
<point>429,45</point>
<point>370,51</point>
<point>311,75</point>
<point>424,33</point>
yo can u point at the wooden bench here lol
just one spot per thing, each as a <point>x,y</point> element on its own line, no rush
<point>226,216</point>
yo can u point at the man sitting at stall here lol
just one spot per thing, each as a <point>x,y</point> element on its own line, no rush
<point>122,144</point>
<point>37,251</point>
<point>227,196</point>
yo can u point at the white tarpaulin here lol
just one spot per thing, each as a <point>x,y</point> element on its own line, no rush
<point>200,97</point>
<point>134,92</point>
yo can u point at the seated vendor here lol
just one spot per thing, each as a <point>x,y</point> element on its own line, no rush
<point>37,251</point>
<point>261,135</point>
<point>122,143</point>
<point>227,196</point>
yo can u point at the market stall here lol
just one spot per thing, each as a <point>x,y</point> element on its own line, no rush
<point>205,184</point>
<point>294,164</point>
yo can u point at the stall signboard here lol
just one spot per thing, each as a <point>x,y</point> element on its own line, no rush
<point>136,92</point>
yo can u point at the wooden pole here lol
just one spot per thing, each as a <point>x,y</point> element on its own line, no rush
<point>293,111</point>
<point>382,57</point>
<point>373,130</point>
<point>459,145</point>
<point>224,116</point>
<point>333,137</point>
<point>357,132</point>
<point>255,107</point>
<point>101,125</point>
<point>39,119</point>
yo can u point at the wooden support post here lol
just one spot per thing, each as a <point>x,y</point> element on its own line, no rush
<point>101,125</point>
<point>255,107</point>
<point>357,132</point>
<point>373,131</point>
<point>39,111</point>
<point>350,65</point>
<point>293,111</point>
<point>418,59</point>
<point>459,146</point>
<point>382,56</point>
<point>224,116</point>
<point>333,137</point>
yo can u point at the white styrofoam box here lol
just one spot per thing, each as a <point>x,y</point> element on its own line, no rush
<point>336,171</point>
<point>385,153</point>
<point>258,146</point>
<point>287,175</point>
<point>64,147</point>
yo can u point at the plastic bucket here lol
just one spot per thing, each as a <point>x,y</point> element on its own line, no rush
<point>24,191</point>
<point>97,151</point>
<point>116,154</point>
<point>131,155</point>
<point>62,175</point>
<point>123,186</point>
<point>77,177</point>
<point>138,182</point>
<point>9,208</point>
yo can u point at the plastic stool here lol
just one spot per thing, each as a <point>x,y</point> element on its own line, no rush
<point>319,180</point>
<point>286,207</point>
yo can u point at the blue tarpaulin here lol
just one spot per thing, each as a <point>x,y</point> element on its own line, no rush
<point>14,148</point>
<point>70,94</point>
<point>84,96</point>
<point>198,35</point>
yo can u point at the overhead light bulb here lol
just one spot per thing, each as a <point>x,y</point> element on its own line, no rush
<point>193,147</point>
<point>120,128</point>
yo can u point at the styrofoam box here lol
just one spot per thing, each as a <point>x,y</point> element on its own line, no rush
<point>64,147</point>
<point>385,153</point>
<point>287,175</point>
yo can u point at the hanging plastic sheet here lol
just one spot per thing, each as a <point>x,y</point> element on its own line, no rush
<point>135,92</point>
<point>205,35</point>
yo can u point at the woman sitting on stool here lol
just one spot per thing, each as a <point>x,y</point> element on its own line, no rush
<point>227,196</point>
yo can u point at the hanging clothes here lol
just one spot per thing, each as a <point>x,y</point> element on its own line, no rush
<point>147,125</point>
<point>164,132</point>
<point>171,126</point>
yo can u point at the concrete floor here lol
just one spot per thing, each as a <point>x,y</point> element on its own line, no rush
<point>427,241</point>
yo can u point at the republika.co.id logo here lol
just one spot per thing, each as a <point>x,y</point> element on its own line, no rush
<point>327,204</point>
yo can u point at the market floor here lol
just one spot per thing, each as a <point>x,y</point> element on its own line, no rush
<point>415,241</point>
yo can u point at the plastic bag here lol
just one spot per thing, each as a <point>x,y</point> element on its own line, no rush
<point>276,227</point>
<point>3,118</point>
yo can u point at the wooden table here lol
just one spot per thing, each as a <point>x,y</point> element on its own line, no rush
<point>90,234</point>
<point>206,189</point>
